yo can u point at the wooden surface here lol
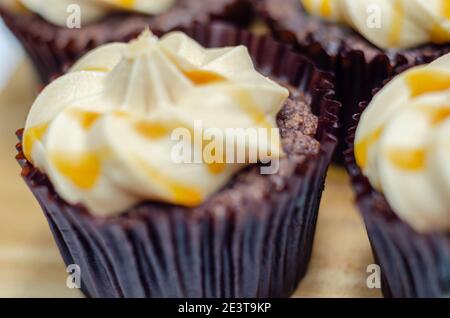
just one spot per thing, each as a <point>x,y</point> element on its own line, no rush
<point>30,265</point>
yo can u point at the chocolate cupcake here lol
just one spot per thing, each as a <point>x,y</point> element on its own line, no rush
<point>363,42</point>
<point>399,159</point>
<point>98,154</point>
<point>56,33</point>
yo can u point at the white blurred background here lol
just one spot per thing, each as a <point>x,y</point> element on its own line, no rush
<point>11,54</point>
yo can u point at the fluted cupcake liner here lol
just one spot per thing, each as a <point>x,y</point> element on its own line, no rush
<point>358,66</point>
<point>412,264</point>
<point>54,49</point>
<point>257,248</point>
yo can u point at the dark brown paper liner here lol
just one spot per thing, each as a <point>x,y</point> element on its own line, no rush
<point>412,264</point>
<point>260,249</point>
<point>357,71</point>
<point>54,49</point>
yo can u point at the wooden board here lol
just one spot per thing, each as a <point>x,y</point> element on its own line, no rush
<point>30,265</point>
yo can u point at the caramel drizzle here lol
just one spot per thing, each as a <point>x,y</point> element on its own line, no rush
<point>154,130</point>
<point>203,77</point>
<point>363,146</point>
<point>82,169</point>
<point>436,115</point>
<point>438,33</point>
<point>324,7</point>
<point>398,18</point>
<point>446,9</point>
<point>197,76</point>
<point>425,81</point>
<point>85,118</point>
<point>181,193</point>
<point>127,3</point>
<point>31,136</point>
<point>415,159</point>
<point>407,159</point>
<point>251,109</point>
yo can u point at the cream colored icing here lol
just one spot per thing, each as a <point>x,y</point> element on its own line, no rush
<point>396,24</point>
<point>56,11</point>
<point>102,132</point>
<point>403,145</point>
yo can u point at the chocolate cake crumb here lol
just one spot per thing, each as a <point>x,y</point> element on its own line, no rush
<point>297,127</point>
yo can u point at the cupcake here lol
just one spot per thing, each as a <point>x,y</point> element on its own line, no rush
<point>399,163</point>
<point>56,33</point>
<point>145,213</point>
<point>364,42</point>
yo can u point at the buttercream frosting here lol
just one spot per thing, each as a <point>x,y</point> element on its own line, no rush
<point>395,24</point>
<point>403,145</point>
<point>56,11</point>
<point>103,133</point>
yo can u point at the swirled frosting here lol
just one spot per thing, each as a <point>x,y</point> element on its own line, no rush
<point>103,133</point>
<point>56,11</point>
<point>403,145</point>
<point>396,24</point>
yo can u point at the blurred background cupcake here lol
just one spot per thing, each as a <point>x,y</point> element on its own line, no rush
<point>364,42</point>
<point>399,163</point>
<point>56,33</point>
